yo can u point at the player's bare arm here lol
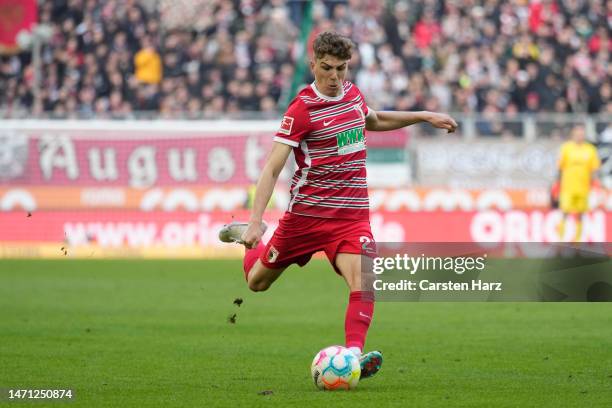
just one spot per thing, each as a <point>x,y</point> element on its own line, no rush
<point>388,120</point>
<point>267,180</point>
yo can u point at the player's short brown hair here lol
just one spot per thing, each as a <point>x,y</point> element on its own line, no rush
<point>334,44</point>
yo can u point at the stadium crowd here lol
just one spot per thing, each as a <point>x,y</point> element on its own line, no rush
<point>113,58</point>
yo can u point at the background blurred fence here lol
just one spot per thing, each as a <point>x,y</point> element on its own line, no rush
<point>519,125</point>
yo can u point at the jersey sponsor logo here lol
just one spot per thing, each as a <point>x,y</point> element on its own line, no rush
<point>272,254</point>
<point>328,123</point>
<point>350,141</point>
<point>286,125</point>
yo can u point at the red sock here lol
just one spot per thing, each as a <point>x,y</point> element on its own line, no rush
<point>358,317</point>
<point>250,257</point>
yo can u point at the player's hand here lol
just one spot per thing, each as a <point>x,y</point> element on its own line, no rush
<point>442,121</point>
<point>252,235</point>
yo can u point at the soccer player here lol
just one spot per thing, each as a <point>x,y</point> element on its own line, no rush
<point>578,165</point>
<point>324,127</point>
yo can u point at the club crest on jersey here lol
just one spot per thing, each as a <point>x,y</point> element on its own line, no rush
<point>350,141</point>
<point>272,254</point>
<point>360,112</point>
<point>286,125</point>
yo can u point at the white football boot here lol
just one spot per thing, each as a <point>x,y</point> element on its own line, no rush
<point>233,231</point>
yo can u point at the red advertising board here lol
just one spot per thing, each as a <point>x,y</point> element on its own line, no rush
<point>62,159</point>
<point>136,158</point>
<point>234,197</point>
<point>195,234</point>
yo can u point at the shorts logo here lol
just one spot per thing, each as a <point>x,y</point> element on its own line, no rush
<point>368,246</point>
<point>272,254</point>
<point>286,125</point>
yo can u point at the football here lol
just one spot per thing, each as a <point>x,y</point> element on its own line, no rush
<point>335,368</point>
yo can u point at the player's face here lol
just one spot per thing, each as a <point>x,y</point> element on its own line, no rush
<point>329,73</point>
<point>578,134</point>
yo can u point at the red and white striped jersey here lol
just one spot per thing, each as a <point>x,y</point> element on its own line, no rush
<point>329,142</point>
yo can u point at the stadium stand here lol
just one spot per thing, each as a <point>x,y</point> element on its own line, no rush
<point>206,58</point>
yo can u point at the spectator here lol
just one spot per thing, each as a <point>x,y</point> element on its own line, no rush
<point>426,30</point>
<point>148,63</point>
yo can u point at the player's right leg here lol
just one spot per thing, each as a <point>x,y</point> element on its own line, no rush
<point>566,205</point>
<point>582,206</point>
<point>573,206</point>
<point>258,276</point>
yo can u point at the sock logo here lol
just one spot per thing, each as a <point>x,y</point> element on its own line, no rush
<point>272,254</point>
<point>365,315</point>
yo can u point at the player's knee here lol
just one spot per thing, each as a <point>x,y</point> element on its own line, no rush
<point>355,286</point>
<point>258,286</point>
<point>354,282</point>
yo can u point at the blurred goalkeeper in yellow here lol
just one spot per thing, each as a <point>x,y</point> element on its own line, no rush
<point>578,165</point>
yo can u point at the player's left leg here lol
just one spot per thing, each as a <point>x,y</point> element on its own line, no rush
<point>359,312</point>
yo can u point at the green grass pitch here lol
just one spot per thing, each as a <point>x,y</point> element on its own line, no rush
<point>156,334</point>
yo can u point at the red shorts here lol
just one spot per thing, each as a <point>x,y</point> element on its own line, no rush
<point>298,237</point>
